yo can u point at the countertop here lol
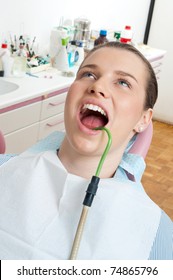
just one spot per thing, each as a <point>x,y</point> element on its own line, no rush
<point>31,87</point>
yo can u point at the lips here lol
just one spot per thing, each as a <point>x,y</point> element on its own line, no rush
<point>93,115</point>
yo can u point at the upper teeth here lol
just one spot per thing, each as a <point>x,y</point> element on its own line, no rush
<point>94,108</point>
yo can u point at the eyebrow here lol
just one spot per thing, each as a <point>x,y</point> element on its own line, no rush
<point>94,66</point>
<point>119,72</point>
<point>122,73</point>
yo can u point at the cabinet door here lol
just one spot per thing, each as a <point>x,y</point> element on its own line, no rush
<point>19,140</point>
<point>51,124</point>
<point>20,118</point>
<point>53,106</point>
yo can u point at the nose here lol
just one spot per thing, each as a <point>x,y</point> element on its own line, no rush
<point>99,87</point>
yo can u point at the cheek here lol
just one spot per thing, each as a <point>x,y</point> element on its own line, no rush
<point>131,106</point>
<point>73,93</point>
<point>70,93</point>
<point>71,103</point>
<point>70,99</point>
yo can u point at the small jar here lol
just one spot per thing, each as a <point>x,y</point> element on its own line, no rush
<point>102,39</point>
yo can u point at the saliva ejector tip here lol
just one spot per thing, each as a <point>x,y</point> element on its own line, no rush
<point>98,128</point>
<point>103,128</point>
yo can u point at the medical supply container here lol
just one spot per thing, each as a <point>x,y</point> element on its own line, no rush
<point>61,58</point>
<point>6,60</point>
<point>126,34</point>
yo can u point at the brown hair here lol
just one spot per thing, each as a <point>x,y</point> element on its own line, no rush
<point>151,85</point>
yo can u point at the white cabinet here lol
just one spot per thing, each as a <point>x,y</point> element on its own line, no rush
<point>51,124</point>
<point>21,139</point>
<point>21,117</point>
<point>154,56</point>
<point>20,127</point>
<point>52,115</point>
<point>52,106</point>
<point>24,126</point>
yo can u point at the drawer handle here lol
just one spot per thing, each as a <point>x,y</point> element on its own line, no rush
<point>54,124</point>
<point>56,103</point>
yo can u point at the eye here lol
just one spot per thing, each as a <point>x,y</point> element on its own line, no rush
<point>88,75</point>
<point>124,83</point>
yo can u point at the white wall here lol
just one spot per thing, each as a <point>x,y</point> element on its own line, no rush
<point>37,17</point>
<point>161,36</point>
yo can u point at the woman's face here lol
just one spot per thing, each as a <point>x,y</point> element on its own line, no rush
<point>109,90</point>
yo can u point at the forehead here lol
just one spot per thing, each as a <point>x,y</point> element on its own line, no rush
<point>113,58</point>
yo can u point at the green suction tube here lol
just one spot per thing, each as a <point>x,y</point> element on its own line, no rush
<point>83,217</point>
<point>105,151</point>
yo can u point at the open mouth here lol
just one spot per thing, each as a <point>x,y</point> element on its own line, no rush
<point>92,116</point>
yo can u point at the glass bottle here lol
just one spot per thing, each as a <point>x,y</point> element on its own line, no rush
<point>102,39</point>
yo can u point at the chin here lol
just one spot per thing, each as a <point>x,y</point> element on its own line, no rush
<point>86,145</point>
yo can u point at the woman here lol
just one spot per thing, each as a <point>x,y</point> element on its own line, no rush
<point>115,87</point>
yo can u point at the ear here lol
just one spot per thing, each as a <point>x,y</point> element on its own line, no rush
<point>144,121</point>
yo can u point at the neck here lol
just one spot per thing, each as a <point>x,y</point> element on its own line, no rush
<point>84,165</point>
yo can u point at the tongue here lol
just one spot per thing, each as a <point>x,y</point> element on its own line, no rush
<point>92,121</point>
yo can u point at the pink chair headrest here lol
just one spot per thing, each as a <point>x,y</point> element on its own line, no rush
<point>142,142</point>
<point>2,143</point>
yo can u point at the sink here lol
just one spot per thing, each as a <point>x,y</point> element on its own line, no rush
<point>6,87</point>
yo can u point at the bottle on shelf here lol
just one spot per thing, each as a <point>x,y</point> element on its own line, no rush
<point>117,35</point>
<point>6,60</point>
<point>61,59</point>
<point>79,53</point>
<point>102,39</point>
<point>126,35</point>
<point>71,50</point>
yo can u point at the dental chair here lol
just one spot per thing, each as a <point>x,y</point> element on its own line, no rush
<point>142,142</point>
<point>2,143</point>
<point>138,146</point>
<point>139,150</point>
